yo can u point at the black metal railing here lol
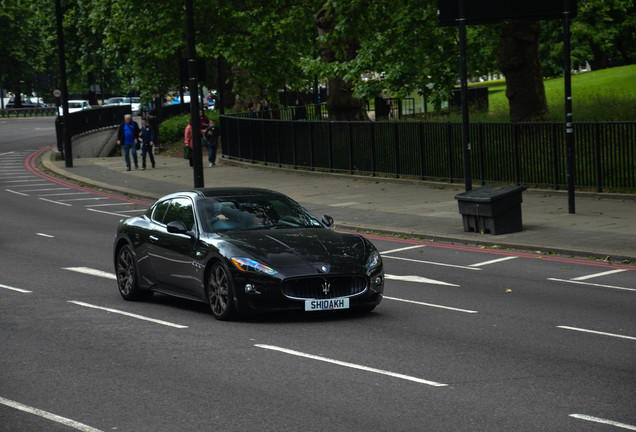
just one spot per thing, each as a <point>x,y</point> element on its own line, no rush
<point>28,112</point>
<point>80,122</point>
<point>530,154</point>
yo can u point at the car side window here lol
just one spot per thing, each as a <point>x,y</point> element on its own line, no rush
<point>180,210</point>
<point>160,211</point>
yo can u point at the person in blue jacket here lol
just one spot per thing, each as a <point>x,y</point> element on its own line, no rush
<point>147,135</point>
<point>127,135</point>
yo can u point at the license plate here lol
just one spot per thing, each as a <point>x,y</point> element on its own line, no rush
<point>327,304</point>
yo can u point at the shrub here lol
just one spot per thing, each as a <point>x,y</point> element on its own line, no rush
<point>172,129</point>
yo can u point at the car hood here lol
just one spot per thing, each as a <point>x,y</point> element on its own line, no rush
<point>302,250</point>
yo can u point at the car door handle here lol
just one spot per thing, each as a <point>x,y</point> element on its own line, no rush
<point>154,238</point>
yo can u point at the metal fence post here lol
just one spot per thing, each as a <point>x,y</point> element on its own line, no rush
<point>396,149</point>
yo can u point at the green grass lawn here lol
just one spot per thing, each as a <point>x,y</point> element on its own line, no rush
<point>603,95</point>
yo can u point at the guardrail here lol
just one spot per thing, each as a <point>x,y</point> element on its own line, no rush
<point>30,112</point>
<point>80,122</point>
<point>531,154</point>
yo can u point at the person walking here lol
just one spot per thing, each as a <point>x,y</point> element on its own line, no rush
<point>127,135</point>
<point>188,142</point>
<point>147,135</point>
<point>211,137</point>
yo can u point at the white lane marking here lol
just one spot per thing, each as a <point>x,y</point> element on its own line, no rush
<point>132,315</point>
<point>63,194</point>
<point>56,202</point>
<point>84,199</point>
<point>6,153</point>
<point>595,275</point>
<point>345,204</point>
<point>603,421</point>
<point>597,332</point>
<point>105,212</point>
<point>402,249</point>
<point>493,261</point>
<point>47,415</point>
<point>418,279</point>
<point>15,289</point>
<point>92,272</point>
<point>351,365</point>
<point>138,211</point>
<point>592,284</point>
<point>433,263</point>
<point>43,190</point>
<point>45,235</point>
<point>22,181</point>
<point>106,205</point>
<point>17,193</point>
<point>431,305</point>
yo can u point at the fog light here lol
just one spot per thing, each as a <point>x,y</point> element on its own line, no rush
<point>378,280</point>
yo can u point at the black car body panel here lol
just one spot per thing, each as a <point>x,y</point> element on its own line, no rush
<point>278,254</point>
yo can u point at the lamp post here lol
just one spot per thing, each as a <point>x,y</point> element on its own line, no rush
<point>195,122</point>
<point>68,149</point>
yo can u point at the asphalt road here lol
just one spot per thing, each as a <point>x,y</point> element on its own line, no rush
<point>466,339</point>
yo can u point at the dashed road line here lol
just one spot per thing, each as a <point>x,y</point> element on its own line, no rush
<point>418,279</point>
<point>597,332</point>
<point>17,193</point>
<point>15,289</point>
<point>402,249</point>
<point>45,235</point>
<point>132,315</point>
<point>433,263</point>
<point>592,284</point>
<point>47,415</point>
<point>493,261</point>
<point>56,202</point>
<point>91,272</point>
<point>431,305</point>
<point>595,275</point>
<point>603,421</point>
<point>105,212</point>
<point>351,365</point>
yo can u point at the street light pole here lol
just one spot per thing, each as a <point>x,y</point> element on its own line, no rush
<point>468,181</point>
<point>68,149</point>
<point>195,122</point>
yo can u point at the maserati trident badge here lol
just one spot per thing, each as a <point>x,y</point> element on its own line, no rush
<point>325,287</point>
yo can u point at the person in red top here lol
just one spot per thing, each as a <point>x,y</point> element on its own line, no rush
<point>204,120</point>
<point>188,140</point>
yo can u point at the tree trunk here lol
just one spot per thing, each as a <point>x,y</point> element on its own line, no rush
<point>341,105</point>
<point>519,62</point>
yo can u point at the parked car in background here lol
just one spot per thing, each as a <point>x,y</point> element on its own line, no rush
<point>134,102</point>
<point>76,105</point>
<point>27,102</point>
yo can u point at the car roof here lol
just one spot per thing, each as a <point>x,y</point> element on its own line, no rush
<point>224,192</point>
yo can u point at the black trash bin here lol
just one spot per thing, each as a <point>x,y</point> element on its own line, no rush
<point>491,209</point>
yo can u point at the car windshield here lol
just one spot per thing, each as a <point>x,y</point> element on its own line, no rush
<point>74,104</point>
<point>252,212</point>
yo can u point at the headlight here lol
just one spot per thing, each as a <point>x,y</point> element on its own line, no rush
<point>373,261</point>
<point>246,264</point>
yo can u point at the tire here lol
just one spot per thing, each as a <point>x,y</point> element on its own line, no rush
<point>127,278</point>
<point>219,290</point>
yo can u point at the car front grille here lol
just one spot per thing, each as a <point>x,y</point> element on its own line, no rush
<point>324,287</point>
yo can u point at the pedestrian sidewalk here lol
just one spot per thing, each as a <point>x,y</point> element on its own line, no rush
<point>603,225</point>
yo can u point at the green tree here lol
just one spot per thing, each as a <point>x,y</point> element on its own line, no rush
<point>21,55</point>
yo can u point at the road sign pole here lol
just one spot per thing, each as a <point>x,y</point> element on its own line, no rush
<point>468,181</point>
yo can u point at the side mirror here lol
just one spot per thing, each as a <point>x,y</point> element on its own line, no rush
<point>327,220</point>
<point>177,227</point>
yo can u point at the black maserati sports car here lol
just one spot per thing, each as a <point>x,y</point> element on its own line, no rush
<point>244,250</point>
